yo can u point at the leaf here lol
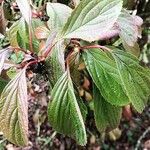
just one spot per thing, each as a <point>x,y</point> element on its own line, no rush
<point>107,116</point>
<point>113,32</point>
<point>119,77</point>
<point>14,110</point>
<point>63,111</point>
<point>104,73</point>
<point>42,32</point>
<point>134,78</point>
<point>55,63</point>
<point>4,54</point>
<point>25,9</point>
<point>129,26</point>
<point>91,19</point>
<point>74,65</point>
<point>17,57</point>
<point>19,27</point>
<point>81,104</point>
<point>135,50</point>
<point>58,14</point>
<point>19,36</point>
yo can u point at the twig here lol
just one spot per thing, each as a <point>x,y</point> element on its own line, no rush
<point>141,137</point>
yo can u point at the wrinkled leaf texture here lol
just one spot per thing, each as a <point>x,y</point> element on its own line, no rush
<point>91,18</point>
<point>107,116</point>
<point>63,111</point>
<point>58,14</point>
<point>14,110</point>
<point>119,77</point>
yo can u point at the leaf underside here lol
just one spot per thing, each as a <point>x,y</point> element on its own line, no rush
<point>58,14</point>
<point>14,110</point>
<point>91,19</point>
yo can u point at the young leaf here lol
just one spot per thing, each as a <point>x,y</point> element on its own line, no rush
<point>92,18</point>
<point>104,73</point>
<point>58,14</point>
<point>107,116</point>
<point>63,111</point>
<point>134,78</point>
<point>14,110</point>
<point>55,63</point>
<point>25,9</point>
<point>129,26</point>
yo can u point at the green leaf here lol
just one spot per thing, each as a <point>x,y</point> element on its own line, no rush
<point>134,78</point>
<point>107,116</point>
<point>82,105</point>
<point>19,27</point>
<point>19,36</point>
<point>63,111</point>
<point>17,57</point>
<point>104,73</point>
<point>14,110</point>
<point>74,62</point>
<point>58,14</point>
<point>55,63</point>
<point>135,50</point>
<point>92,18</point>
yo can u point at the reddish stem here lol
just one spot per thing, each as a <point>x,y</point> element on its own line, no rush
<point>96,46</point>
<point>48,50</point>
<point>30,38</point>
<point>31,62</point>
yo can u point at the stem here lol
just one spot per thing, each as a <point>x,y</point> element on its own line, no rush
<point>48,50</point>
<point>142,137</point>
<point>30,63</point>
<point>30,38</point>
<point>67,61</point>
<point>96,46</point>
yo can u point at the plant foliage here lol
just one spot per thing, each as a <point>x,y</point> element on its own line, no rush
<point>66,40</point>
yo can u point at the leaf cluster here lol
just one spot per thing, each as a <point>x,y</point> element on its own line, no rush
<point>68,45</point>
